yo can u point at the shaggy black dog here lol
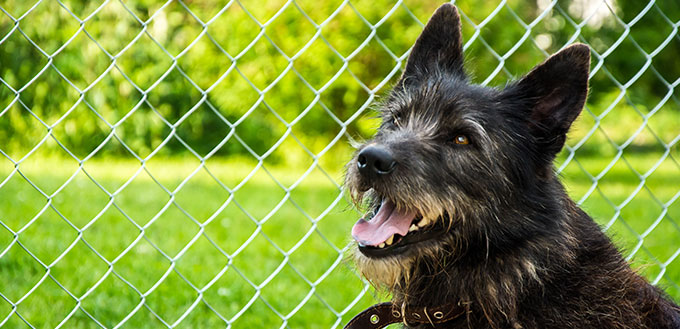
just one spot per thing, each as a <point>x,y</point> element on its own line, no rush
<point>464,207</point>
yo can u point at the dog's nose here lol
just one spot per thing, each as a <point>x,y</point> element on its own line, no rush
<point>375,161</point>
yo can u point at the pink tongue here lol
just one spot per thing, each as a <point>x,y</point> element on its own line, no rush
<point>387,222</point>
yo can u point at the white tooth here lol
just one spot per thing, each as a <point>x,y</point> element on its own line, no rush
<point>382,245</point>
<point>413,228</point>
<point>389,240</point>
<point>423,222</point>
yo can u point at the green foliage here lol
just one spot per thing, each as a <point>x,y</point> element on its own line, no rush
<point>160,78</point>
<point>191,85</point>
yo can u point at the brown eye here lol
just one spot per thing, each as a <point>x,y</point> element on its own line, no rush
<point>461,139</point>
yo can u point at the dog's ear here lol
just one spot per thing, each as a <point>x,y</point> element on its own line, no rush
<point>554,93</point>
<point>439,46</point>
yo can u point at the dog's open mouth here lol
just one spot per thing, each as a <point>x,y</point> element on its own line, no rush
<point>391,230</point>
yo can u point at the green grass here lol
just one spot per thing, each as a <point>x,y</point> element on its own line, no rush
<point>142,266</point>
<point>157,263</point>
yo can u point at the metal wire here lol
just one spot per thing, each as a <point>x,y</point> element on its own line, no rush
<point>546,10</point>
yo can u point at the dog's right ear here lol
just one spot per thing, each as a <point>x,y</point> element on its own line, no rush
<point>439,46</point>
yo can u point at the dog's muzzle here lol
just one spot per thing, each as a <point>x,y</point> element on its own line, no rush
<point>375,161</point>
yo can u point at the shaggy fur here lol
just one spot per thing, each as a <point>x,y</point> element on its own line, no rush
<point>510,244</point>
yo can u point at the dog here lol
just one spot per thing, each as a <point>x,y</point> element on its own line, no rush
<point>465,210</point>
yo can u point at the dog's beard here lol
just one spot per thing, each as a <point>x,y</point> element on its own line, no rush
<point>396,273</point>
<point>385,274</point>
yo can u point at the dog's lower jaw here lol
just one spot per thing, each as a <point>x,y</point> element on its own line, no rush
<point>386,273</point>
<point>394,273</point>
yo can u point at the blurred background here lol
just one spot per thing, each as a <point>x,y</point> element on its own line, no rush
<point>179,164</point>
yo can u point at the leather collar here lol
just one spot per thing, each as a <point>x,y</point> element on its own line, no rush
<point>383,314</point>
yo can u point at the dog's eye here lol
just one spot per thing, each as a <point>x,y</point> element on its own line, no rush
<point>461,140</point>
<point>396,120</point>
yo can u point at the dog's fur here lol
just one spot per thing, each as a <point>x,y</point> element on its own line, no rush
<point>514,248</point>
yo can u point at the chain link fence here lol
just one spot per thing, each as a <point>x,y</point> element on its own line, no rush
<point>179,164</point>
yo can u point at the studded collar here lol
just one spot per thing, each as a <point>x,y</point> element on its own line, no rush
<point>383,314</point>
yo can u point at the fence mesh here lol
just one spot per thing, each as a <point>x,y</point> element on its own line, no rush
<point>179,164</point>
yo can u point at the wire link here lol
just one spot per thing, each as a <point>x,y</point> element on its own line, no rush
<point>17,27</point>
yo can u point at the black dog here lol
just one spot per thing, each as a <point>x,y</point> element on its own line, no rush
<point>466,214</point>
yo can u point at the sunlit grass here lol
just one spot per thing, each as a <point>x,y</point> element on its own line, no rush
<point>146,229</point>
<point>174,240</point>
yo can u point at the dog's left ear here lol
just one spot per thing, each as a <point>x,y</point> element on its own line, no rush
<point>553,94</point>
<point>439,46</point>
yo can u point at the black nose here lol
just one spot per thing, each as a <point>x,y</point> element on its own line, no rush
<point>375,161</point>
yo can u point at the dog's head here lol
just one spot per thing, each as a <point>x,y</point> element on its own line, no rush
<point>456,166</point>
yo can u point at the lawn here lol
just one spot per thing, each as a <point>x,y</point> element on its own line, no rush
<point>162,250</point>
<point>230,262</point>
